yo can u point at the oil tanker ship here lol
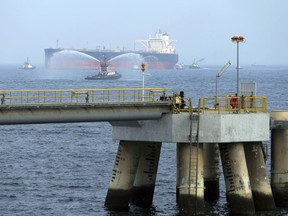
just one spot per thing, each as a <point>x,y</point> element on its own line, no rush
<point>158,54</point>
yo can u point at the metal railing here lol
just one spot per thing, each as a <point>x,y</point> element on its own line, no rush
<point>21,98</point>
<point>232,104</point>
<point>81,96</point>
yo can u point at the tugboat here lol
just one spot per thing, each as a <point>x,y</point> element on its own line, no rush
<point>27,65</point>
<point>179,66</point>
<point>195,65</point>
<point>105,73</point>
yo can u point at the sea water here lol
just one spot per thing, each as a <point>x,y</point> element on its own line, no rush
<point>65,169</point>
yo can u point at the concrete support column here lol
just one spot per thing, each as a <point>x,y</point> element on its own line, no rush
<point>279,160</point>
<point>260,184</point>
<point>144,183</point>
<point>190,183</point>
<point>238,189</point>
<point>123,175</point>
<point>211,171</point>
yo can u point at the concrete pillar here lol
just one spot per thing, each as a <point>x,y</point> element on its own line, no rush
<point>211,171</point>
<point>279,160</point>
<point>123,175</point>
<point>260,184</point>
<point>190,184</point>
<point>144,183</point>
<point>238,189</point>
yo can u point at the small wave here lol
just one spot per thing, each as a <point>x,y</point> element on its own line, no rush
<point>10,184</point>
<point>72,186</point>
<point>72,199</point>
<point>8,197</point>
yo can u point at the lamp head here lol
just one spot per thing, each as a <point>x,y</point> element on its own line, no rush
<point>142,67</point>
<point>237,39</point>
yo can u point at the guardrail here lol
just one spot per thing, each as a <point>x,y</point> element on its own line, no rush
<point>21,98</point>
<point>80,96</point>
<point>38,98</point>
<point>232,104</point>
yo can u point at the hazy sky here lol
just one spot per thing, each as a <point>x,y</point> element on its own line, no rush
<point>203,28</point>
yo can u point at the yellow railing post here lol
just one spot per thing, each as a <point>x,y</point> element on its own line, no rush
<point>190,105</point>
<point>264,104</point>
<point>21,97</point>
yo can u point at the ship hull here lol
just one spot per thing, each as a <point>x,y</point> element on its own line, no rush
<point>90,59</point>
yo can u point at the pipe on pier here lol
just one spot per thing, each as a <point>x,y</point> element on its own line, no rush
<point>211,171</point>
<point>260,185</point>
<point>279,160</point>
<point>190,182</point>
<point>238,188</point>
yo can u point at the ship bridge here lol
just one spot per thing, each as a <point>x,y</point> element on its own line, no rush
<point>160,43</point>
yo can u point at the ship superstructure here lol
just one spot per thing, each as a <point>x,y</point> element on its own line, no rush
<point>159,44</point>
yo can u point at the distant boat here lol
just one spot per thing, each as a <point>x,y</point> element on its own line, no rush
<point>257,65</point>
<point>179,66</point>
<point>27,65</point>
<point>105,73</point>
<point>195,65</point>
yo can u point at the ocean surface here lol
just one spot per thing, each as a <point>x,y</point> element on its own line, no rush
<point>65,169</point>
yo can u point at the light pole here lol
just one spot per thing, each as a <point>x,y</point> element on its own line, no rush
<point>143,70</point>
<point>237,39</point>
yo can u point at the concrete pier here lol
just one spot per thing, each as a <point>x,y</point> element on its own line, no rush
<point>238,188</point>
<point>144,118</point>
<point>260,184</point>
<point>229,131</point>
<point>144,183</point>
<point>211,171</point>
<point>190,182</point>
<point>123,175</point>
<point>279,157</point>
